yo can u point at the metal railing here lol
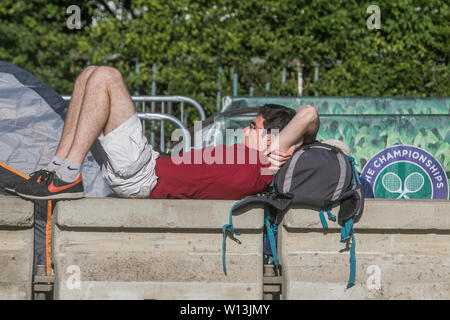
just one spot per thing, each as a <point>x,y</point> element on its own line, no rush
<point>181,99</point>
<point>163,116</point>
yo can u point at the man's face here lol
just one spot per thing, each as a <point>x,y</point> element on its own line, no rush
<point>255,135</point>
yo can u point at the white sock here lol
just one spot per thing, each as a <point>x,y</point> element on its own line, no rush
<point>68,170</point>
<point>54,164</point>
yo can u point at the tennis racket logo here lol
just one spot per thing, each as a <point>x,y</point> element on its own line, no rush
<point>406,172</point>
<point>394,184</point>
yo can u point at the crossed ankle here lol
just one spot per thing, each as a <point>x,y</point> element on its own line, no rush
<point>54,164</point>
<point>68,171</point>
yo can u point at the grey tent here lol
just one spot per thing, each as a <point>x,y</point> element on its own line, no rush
<point>31,122</point>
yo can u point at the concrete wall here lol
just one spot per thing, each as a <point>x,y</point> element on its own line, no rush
<point>402,252</point>
<point>16,248</point>
<point>172,249</point>
<point>155,249</point>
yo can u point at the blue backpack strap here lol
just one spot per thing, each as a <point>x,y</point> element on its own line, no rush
<point>355,172</point>
<point>228,228</point>
<point>322,219</point>
<point>270,234</point>
<point>331,217</point>
<point>347,232</point>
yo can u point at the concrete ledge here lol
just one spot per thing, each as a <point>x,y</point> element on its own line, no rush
<point>15,212</point>
<point>402,252</point>
<point>16,248</point>
<point>153,214</point>
<point>383,214</point>
<point>155,249</point>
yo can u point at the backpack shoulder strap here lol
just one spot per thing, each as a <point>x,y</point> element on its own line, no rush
<point>347,234</point>
<point>270,228</point>
<point>228,229</point>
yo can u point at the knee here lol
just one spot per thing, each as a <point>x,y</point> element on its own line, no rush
<point>107,74</point>
<point>84,76</point>
<point>89,69</point>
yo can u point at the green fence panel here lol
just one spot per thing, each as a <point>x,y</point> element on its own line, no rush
<point>371,125</point>
<point>349,105</point>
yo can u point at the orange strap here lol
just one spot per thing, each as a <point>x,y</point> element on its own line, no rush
<point>48,236</point>
<point>14,171</point>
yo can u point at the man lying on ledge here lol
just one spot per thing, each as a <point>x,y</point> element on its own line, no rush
<point>101,108</point>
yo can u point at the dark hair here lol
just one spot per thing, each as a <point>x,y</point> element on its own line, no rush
<point>276,116</point>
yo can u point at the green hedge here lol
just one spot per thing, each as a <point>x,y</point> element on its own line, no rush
<point>189,41</point>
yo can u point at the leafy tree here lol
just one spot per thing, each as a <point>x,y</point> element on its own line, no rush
<point>189,40</point>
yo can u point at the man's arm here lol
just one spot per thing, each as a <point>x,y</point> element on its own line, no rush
<point>302,129</point>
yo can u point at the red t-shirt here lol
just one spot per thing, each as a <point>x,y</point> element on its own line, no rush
<point>222,172</point>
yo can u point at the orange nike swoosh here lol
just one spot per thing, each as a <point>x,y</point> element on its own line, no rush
<point>54,189</point>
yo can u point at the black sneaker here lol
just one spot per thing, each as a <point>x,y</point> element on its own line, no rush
<point>37,176</point>
<point>9,184</point>
<point>49,186</point>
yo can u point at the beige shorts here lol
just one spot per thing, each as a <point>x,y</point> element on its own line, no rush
<point>129,164</point>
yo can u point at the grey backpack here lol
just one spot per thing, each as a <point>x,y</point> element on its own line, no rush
<point>318,176</point>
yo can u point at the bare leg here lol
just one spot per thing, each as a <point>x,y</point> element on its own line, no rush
<point>106,105</point>
<point>73,112</point>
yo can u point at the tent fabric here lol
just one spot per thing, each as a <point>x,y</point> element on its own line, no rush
<point>31,123</point>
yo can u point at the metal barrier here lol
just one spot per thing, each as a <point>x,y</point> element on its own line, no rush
<point>162,116</point>
<point>181,99</point>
